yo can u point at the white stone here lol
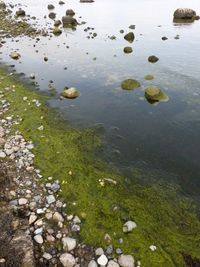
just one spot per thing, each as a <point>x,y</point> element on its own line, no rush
<point>38,239</point>
<point>38,231</point>
<point>47,256</point>
<point>22,201</point>
<point>2,154</point>
<point>58,217</point>
<point>68,243</point>
<point>152,248</point>
<point>92,263</point>
<point>102,260</point>
<point>50,199</point>
<point>112,263</point>
<point>99,252</point>
<point>32,218</point>
<point>126,261</point>
<point>67,260</point>
<point>129,226</point>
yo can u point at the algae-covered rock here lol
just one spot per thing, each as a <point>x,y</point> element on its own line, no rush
<point>129,37</point>
<point>15,55</point>
<point>128,50</point>
<point>70,12</point>
<point>154,94</point>
<point>2,5</point>
<point>153,59</point>
<point>20,13</point>
<point>57,31</point>
<point>52,15</point>
<point>57,23</point>
<point>69,21</point>
<point>70,93</point>
<point>130,84</point>
<point>184,13</point>
<point>148,77</point>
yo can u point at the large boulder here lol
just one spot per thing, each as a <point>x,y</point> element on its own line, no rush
<point>69,21</point>
<point>184,13</point>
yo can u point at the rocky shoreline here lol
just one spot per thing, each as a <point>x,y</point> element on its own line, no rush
<point>40,227</point>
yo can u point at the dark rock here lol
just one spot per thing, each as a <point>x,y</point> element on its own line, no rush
<point>129,37</point>
<point>70,12</point>
<point>20,13</point>
<point>50,7</point>
<point>153,59</point>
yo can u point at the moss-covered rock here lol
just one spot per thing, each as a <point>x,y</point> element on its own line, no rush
<point>129,37</point>
<point>154,94</point>
<point>130,84</point>
<point>148,77</point>
<point>128,50</point>
<point>70,93</point>
<point>57,31</point>
<point>153,59</point>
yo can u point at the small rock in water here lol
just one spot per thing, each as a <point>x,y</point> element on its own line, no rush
<point>112,263</point>
<point>50,7</point>
<point>153,59</point>
<point>50,199</point>
<point>129,226</point>
<point>102,260</point>
<point>129,37</point>
<point>128,50</point>
<point>20,13</point>
<point>130,84</point>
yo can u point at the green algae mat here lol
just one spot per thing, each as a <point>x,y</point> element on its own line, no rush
<point>99,195</point>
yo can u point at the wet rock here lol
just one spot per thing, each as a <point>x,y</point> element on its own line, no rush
<point>153,59</point>
<point>130,84</point>
<point>93,263</point>
<point>184,13</point>
<point>154,94</point>
<point>61,3</point>
<point>38,239</point>
<point>50,7</point>
<point>128,50</point>
<point>15,55</point>
<point>129,226</point>
<point>2,5</point>
<point>126,261</point>
<point>57,31</point>
<point>22,201</point>
<point>112,263</point>
<point>32,76</point>
<point>129,37</point>
<point>52,15</point>
<point>132,27</point>
<point>70,12</point>
<point>149,77</point>
<point>68,243</point>
<point>102,260</point>
<point>69,21</point>
<point>67,260</point>
<point>20,13</point>
<point>164,38</point>
<point>57,23</point>
<point>70,93</point>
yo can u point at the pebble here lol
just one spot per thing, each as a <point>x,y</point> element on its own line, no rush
<point>58,217</point>
<point>126,261</point>
<point>67,260</point>
<point>2,154</point>
<point>50,199</point>
<point>112,263</point>
<point>129,226</point>
<point>32,218</point>
<point>22,201</point>
<point>102,260</point>
<point>38,239</point>
<point>152,248</point>
<point>47,256</point>
<point>68,243</point>
<point>118,251</point>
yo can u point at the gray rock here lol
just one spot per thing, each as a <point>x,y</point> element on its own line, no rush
<point>93,263</point>
<point>67,260</point>
<point>99,252</point>
<point>118,251</point>
<point>38,239</point>
<point>68,243</point>
<point>2,132</point>
<point>47,256</point>
<point>50,7</point>
<point>55,187</point>
<point>109,249</point>
<point>69,21</point>
<point>126,261</point>
<point>112,263</point>
<point>22,201</point>
<point>20,13</point>
<point>32,218</point>
<point>50,199</point>
<point>70,12</point>
<point>70,93</point>
<point>2,155</point>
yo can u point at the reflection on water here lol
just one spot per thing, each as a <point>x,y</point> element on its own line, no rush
<point>165,136</point>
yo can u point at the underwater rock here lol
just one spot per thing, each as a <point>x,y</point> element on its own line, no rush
<point>154,94</point>
<point>2,5</point>
<point>128,50</point>
<point>69,21</point>
<point>70,93</point>
<point>184,13</point>
<point>70,12</point>
<point>129,226</point>
<point>57,31</point>
<point>52,15</point>
<point>153,59</point>
<point>61,3</point>
<point>129,37</point>
<point>149,77</point>
<point>15,55</point>
<point>130,84</point>
<point>50,7</point>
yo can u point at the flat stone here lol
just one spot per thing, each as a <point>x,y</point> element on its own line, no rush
<point>93,263</point>
<point>2,154</point>
<point>50,199</point>
<point>67,260</point>
<point>32,218</point>
<point>22,201</point>
<point>58,217</point>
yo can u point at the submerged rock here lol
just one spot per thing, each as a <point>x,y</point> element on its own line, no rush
<point>69,21</point>
<point>129,37</point>
<point>57,31</point>
<point>154,94</point>
<point>128,50</point>
<point>129,226</point>
<point>70,93</point>
<point>149,77</point>
<point>52,15</point>
<point>153,59</point>
<point>57,23</point>
<point>130,84</point>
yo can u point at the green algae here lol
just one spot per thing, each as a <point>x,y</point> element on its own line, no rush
<point>164,218</point>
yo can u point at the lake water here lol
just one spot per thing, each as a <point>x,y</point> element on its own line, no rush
<point>163,137</point>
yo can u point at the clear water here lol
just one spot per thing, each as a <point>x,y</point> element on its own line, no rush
<point>164,137</point>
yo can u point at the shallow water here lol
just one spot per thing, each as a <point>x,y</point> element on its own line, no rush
<point>163,137</point>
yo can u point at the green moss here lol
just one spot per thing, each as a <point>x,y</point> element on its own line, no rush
<point>163,217</point>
